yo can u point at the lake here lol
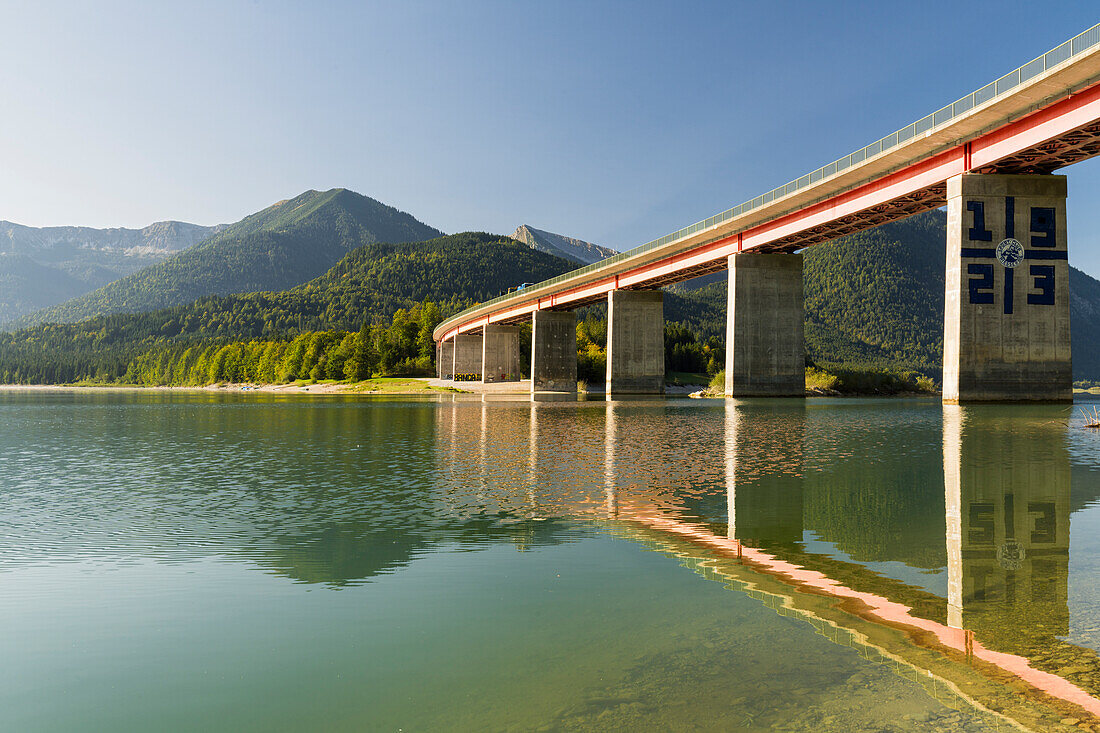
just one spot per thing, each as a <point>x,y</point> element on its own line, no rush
<point>180,561</point>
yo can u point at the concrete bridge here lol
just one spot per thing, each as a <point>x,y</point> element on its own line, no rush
<point>989,156</point>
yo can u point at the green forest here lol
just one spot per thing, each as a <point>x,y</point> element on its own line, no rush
<point>404,347</point>
<point>874,302</point>
<point>372,314</point>
<point>369,286</point>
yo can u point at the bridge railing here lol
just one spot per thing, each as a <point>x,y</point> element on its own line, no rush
<point>1077,45</point>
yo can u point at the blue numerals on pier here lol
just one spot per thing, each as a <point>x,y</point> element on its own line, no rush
<point>981,288</point>
<point>978,232</point>
<point>1044,282</point>
<point>1042,233</point>
<point>1042,227</point>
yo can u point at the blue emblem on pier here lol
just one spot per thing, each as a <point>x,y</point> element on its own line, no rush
<point>1010,253</point>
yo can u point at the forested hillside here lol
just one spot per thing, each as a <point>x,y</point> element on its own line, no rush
<point>874,300</point>
<point>876,297</point>
<point>1084,312</point>
<point>277,248</point>
<point>367,286</point>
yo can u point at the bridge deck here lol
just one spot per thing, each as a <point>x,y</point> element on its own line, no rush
<point>1038,118</point>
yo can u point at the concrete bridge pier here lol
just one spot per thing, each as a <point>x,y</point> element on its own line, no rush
<point>467,354</point>
<point>500,354</point>
<point>765,350</point>
<point>1006,318</point>
<point>446,361</point>
<point>554,351</point>
<point>635,342</point>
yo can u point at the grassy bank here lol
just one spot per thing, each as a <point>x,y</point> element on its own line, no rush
<point>376,385</point>
<point>842,381</point>
<point>856,381</point>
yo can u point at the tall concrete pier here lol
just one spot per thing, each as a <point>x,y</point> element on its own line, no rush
<point>1006,319</point>
<point>467,354</point>
<point>635,342</point>
<point>765,351</point>
<point>500,354</point>
<point>554,351</point>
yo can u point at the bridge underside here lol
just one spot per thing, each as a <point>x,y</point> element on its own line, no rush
<point>1071,147</point>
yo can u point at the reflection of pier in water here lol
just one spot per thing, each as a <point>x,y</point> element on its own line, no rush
<point>989,639</point>
<point>1007,544</point>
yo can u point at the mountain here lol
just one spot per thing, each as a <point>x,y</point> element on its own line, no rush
<point>368,285</point>
<point>105,247</point>
<point>566,247</point>
<point>872,299</point>
<point>70,261</point>
<point>282,246</point>
<point>876,297</point>
<point>26,286</point>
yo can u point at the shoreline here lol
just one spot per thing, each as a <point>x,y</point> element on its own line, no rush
<point>291,388</point>
<point>427,386</point>
<point>415,386</point>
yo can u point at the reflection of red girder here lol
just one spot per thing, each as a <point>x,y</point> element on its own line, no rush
<point>880,610</point>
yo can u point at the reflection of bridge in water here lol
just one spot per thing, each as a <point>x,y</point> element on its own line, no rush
<point>794,514</point>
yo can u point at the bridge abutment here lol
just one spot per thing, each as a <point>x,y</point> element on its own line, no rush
<point>635,342</point>
<point>467,351</point>
<point>500,354</point>
<point>765,350</point>
<point>554,351</point>
<point>1006,315</point>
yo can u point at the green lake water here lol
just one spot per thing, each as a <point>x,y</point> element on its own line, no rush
<point>182,562</point>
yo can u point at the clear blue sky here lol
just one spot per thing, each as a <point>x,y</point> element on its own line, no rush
<point>612,122</point>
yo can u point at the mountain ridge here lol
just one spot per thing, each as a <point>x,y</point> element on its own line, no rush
<point>169,235</point>
<point>275,248</point>
<point>873,299</point>
<point>562,246</point>
<point>70,261</point>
